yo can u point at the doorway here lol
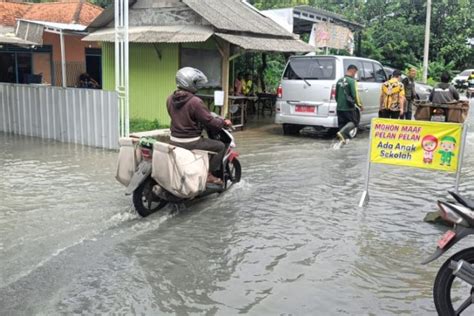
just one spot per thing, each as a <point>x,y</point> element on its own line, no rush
<point>94,64</point>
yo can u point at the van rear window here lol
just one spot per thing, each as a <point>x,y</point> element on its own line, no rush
<point>319,68</point>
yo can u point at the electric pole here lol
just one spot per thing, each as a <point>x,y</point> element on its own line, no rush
<point>427,41</point>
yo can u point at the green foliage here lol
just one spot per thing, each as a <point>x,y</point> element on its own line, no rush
<point>394,29</point>
<point>101,3</point>
<point>273,72</point>
<point>435,69</point>
<point>251,63</point>
<point>273,4</point>
<point>142,125</point>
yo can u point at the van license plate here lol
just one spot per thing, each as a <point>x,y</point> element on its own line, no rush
<point>446,238</point>
<point>305,109</point>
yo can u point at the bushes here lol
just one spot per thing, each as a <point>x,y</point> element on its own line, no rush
<point>142,125</point>
<point>435,69</point>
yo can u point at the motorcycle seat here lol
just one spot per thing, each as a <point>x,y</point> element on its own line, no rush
<point>461,200</point>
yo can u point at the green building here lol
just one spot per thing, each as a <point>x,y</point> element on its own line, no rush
<point>167,35</point>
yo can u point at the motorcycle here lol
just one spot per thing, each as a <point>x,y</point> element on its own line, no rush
<point>470,89</point>
<point>148,196</point>
<point>460,266</point>
<point>461,85</point>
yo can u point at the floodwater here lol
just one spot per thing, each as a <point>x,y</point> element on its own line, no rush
<point>288,240</point>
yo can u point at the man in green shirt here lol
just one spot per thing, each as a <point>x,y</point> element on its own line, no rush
<point>347,100</point>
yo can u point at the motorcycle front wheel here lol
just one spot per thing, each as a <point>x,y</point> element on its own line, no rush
<point>452,296</point>
<point>233,171</point>
<point>144,201</point>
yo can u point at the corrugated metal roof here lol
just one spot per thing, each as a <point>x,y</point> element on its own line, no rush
<point>7,39</point>
<point>236,15</point>
<point>329,14</point>
<point>156,34</point>
<point>7,36</point>
<point>256,43</point>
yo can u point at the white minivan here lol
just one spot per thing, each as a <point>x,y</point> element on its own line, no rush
<point>306,95</point>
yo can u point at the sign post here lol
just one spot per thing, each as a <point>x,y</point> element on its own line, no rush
<point>461,157</point>
<point>365,195</point>
<point>419,144</point>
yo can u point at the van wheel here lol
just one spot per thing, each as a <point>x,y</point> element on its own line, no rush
<point>290,129</point>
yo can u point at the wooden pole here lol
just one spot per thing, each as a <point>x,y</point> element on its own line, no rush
<point>225,76</point>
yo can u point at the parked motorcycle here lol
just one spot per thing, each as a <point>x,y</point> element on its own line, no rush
<point>470,89</point>
<point>461,85</point>
<point>148,196</point>
<point>459,268</point>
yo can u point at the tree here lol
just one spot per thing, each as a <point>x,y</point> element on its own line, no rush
<point>394,29</point>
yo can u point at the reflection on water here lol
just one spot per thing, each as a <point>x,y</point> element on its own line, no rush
<point>289,239</point>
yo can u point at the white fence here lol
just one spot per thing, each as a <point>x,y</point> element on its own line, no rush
<point>82,116</point>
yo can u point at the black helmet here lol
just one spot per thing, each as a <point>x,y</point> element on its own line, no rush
<point>190,79</point>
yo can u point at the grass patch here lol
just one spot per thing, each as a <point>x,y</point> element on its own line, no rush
<point>143,125</point>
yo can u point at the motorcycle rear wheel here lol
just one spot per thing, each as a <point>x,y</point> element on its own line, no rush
<point>144,201</point>
<point>444,283</point>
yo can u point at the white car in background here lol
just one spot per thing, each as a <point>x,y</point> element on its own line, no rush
<point>462,76</point>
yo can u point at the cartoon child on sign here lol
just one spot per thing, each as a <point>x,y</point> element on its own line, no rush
<point>429,144</point>
<point>448,143</point>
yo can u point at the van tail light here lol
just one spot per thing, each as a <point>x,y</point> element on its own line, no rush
<point>333,93</point>
<point>280,91</point>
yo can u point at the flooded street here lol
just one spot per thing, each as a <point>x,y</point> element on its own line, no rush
<point>288,239</point>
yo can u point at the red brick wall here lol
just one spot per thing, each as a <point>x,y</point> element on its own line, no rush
<point>75,56</point>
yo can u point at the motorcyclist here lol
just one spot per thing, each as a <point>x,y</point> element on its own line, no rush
<point>189,116</point>
<point>444,92</point>
<point>470,80</point>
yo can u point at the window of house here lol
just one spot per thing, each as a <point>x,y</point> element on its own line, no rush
<point>24,65</point>
<point>7,67</point>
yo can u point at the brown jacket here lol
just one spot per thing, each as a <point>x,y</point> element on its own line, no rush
<point>189,115</point>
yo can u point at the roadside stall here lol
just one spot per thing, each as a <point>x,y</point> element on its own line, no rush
<point>204,34</point>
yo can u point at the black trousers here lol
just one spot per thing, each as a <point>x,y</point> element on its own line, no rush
<point>346,121</point>
<point>409,111</point>
<point>407,116</point>
<point>209,145</point>
<point>385,113</point>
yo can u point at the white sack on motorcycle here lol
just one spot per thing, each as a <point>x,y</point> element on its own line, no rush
<point>127,161</point>
<point>179,171</point>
